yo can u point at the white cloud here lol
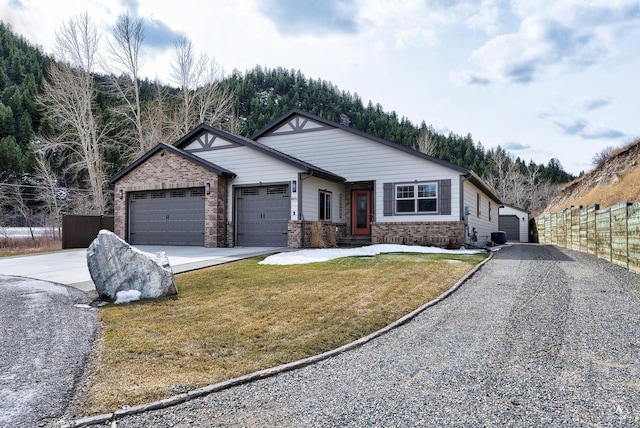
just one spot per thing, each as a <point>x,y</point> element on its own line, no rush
<point>555,37</point>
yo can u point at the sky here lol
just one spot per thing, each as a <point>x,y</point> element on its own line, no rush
<point>543,79</point>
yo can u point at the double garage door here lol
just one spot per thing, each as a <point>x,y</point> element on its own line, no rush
<point>176,217</point>
<point>167,217</point>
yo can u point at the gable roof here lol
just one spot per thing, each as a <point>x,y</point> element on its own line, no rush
<point>283,157</point>
<point>467,173</point>
<point>513,207</point>
<point>188,156</point>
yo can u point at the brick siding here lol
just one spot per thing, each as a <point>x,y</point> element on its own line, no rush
<point>295,228</point>
<point>446,234</point>
<point>166,170</point>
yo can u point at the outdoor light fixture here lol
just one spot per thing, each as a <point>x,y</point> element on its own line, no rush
<point>294,186</point>
<point>207,188</point>
<point>120,194</point>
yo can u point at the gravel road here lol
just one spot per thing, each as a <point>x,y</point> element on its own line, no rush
<point>44,343</point>
<point>540,336</point>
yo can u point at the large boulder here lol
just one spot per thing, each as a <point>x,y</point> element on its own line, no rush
<point>116,266</point>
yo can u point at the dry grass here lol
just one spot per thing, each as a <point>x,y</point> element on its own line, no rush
<point>316,235</point>
<point>17,247</point>
<point>625,189</point>
<point>241,317</point>
<point>616,180</point>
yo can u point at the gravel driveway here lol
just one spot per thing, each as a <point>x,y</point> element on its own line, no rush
<point>44,343</point>
<point>538,337</point>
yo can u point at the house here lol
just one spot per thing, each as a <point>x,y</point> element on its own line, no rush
<point>514,222</point>
<point>302,171</point>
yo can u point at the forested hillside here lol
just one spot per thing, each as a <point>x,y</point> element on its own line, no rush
<point>21,76</point>
<point>262,95</point>
<point>51,163</point>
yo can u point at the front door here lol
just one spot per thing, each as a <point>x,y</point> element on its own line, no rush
<point>361,212</point>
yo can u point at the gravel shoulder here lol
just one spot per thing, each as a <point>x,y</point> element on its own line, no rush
<point>44,344</point>
<point>540,336</point>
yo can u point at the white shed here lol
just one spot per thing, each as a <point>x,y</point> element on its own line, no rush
<point>514,222</point>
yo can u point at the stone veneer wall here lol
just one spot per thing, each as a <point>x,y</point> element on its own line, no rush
<point>295,232</point>
<point>167,170</point>
<point>446,234</point>
<point>231,234</point>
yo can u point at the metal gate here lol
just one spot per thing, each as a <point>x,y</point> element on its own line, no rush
<point>167,217</point>
<point>262,215</point>
<point>510,224</point>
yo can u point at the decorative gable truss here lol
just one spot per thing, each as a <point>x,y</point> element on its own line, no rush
<point>297,125</point>
<point>207,142</point>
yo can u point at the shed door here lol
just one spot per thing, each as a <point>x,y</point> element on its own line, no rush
<point>167,217</point>
<point>510,224</point>
<point>262,215</point>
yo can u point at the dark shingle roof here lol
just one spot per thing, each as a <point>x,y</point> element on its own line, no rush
<point>188,156</point>
<point>468,174</point>
<point>283,157</point>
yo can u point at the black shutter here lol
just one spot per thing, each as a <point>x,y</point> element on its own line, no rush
<point>387,193</point>
<point>444,197</point>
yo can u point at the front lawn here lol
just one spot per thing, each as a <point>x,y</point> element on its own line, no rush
<point>241,317</point>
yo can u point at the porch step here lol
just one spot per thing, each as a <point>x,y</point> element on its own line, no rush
<point>354,241</point>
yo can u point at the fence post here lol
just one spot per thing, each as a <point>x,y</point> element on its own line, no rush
<point>610,236</point>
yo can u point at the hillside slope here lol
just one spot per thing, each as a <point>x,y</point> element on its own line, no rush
<point>615,180</point>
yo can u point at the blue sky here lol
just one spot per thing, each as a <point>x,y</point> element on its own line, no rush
<point>544,79</point>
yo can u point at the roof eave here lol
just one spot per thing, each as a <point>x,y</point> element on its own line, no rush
<point>363,134</point>
<point>194,159</point>
<point>478,182</point>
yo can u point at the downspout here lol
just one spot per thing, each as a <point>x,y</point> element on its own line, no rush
<point>301,202</point>
<point>463,210</point>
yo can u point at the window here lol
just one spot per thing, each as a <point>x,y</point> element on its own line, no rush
<point>489,210</point>
<point>478,201</point>
<point>417,198</point>
<point>324,205</point>
<point>277,190</point>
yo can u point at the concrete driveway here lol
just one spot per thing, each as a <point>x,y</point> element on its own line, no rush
<point>69,267</point>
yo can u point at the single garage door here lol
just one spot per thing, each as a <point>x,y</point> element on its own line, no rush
<point>262,215</point>
<point>510,224</point>
<point>167,217</point>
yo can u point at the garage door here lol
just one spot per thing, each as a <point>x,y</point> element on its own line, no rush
<point>167,217</point>
<point>510,224</point>
<point>262,214</point>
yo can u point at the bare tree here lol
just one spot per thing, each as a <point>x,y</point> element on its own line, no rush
<point>48,192</point>
<point>601,157</point>
<point>124,72</point>
<point>15,196</point>
<point>507,179</point>
<point>69,102</point>
<point>202,100</point>
<point>427,144</point>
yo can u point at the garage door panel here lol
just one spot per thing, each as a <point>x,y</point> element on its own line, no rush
<point>262,215</point>
<point>167,217</point>
<point>511,226</point>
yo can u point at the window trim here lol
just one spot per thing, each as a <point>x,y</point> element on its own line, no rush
<point>416,198</point>
<point>324,205</point>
